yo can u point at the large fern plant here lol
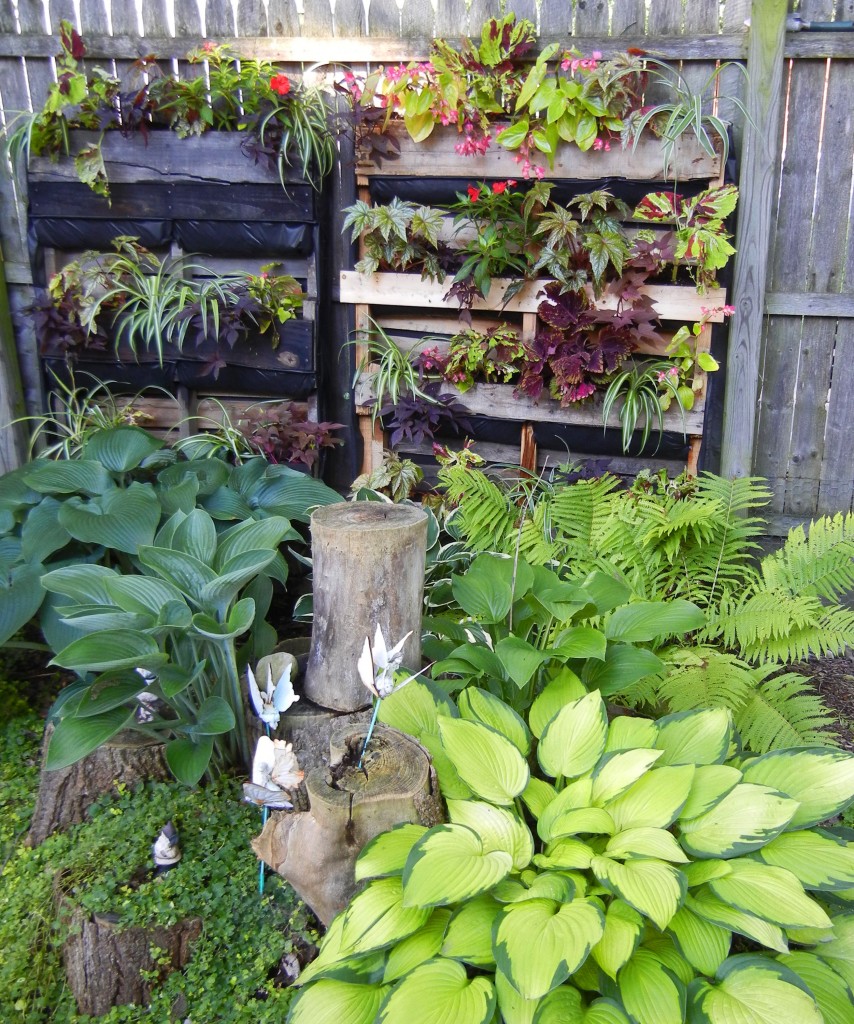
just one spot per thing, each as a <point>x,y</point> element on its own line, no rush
<point>761,613</point>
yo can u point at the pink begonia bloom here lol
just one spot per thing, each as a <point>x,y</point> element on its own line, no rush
<point>728,310</point>
<point>602,144</point>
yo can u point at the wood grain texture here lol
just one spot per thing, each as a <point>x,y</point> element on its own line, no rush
<point>836,483</point>
<point>754,223</point>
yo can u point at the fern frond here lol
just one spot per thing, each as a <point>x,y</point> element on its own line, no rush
<point>778,626</point>
<point>538,544</point>
<point>719,681</point>
<point>488,518</point>
<point>576,510</point>
<point>819,561</point>
<point>784,711</point>
<point>618,540</point>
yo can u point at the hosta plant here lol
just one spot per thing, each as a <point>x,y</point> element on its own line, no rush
<point>631,872</point>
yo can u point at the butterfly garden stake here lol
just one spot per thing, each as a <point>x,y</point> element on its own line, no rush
<point>377,666</point>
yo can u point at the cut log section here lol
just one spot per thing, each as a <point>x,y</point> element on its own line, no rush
<point>316,850</point>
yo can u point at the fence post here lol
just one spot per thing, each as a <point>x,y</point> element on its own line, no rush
<point>12,438</point>
<point>756,198</point>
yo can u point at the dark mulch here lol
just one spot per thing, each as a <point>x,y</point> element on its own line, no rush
<point>833,678</point>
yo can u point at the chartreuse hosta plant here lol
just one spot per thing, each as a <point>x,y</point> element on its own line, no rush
<point>636,872</point>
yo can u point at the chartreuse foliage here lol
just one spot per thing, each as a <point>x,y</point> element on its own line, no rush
<point>596,873</point>
<point>697,542</point>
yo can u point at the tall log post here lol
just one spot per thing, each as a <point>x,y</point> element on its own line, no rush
<point>368,572</point>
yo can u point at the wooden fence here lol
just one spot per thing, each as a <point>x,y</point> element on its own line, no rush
<point>790,378</point>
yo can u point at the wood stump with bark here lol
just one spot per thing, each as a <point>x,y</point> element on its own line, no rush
<point>65,795</point>
<point>368,561</point>
<point>316,850</point>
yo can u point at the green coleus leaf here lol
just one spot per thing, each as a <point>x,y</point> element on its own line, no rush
<point>376,917</point>
<point>753,988</point>
<point>653,888</point>
<point>469,933</point>
<point>486,761</point>
<point>539,943</point>
<point>435,993</point>
<point>449,864</point>
<point>747,818</point>
<point>574,739</point>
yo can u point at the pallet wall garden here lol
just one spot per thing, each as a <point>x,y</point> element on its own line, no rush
<point>544,242</point>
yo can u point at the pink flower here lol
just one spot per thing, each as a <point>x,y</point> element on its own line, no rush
<point>601,144</point>
<point>280,84</point>
<point>208,46</point>
<point>728,310</point>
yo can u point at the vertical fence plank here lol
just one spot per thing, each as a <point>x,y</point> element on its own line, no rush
<point>187,20</point>
<point>283,19</point>
<point>627,18</point>
<point>154,19</point>
<point>251,18</point>
<point>556,20</point>
<point>836,486</point>
<point>591,18</point>
<point>417,19</point>
<point>450,18</point>
<point>317,18</point>
<point>219,19</point>
<point>765,59</point>
<point>384,18</point>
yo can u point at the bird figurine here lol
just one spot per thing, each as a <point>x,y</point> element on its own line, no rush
<point>165,851</point>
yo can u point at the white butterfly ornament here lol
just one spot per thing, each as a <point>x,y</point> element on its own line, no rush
<point>274,701</point>
<point>275,773</point>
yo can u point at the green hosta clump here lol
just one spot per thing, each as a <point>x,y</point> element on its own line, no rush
<point>636,872</point>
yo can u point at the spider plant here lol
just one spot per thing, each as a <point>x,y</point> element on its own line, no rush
<point>221,438</point>
<point>642,389</point>
<point>684,112</point>
<point>393,373</point>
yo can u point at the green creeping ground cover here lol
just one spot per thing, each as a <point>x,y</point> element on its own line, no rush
<point>595,872</point>
<point>106,865</point>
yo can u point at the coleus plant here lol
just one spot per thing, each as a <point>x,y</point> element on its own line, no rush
<point>631,872</point>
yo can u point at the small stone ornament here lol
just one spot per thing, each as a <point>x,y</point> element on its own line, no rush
<point>166,852</point>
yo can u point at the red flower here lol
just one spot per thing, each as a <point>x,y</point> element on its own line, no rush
<point>280,84</point>
<point>474,193</point>
<point>499,186</point>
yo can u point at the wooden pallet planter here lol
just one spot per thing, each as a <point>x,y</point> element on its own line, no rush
<point>405,303</point>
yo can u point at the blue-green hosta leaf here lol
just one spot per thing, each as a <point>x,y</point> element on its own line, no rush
<point>706,905</point>
<point>711,783</point>
<point>183,571</point>
<point>651,993</point>
<point>376,917</point>
<point>119,519</point>
<point>418,948</point>
<point>94,619</point>
<point>182,497</point>
<point>479,705</point>
<point>71,476</point>
<point>188,758</point>
<point>539,943</point>
<point>623,666</point>
<point>769,892</point>
<point>330,1001</point>
<point>754,989</point>
<point>653,888</point>
<point>695,737</point>
<point>704,945</point>
<point>655,800</point>
<point>628,733</point>
<point>748,817</point>
<point>490,586</point>
<point>143,594</point>
<point>41,531</point>
<point>820,779</point>
<point>289,493</point>
<point>562,690</point>
<point>574,739</point>
<point>386,854</point>
<point>21,596</point>
<point>210,474</point>
<point>652,620</point>
<point>74,738</point>
<point>839,951</point>
<point>487,762</point>
<point>623,930</point>
<point>498,828</point>
<point>519,659</point>
<point>617,771</point>
<point>121,448</point>
<point>449,864</point>
<point>196,536</point>
<point>646,842</point>
<point>253,536</point>
<point>415,708</point>
<point>513,1007</point>
<point>110,650</point>
<point>435,993</point>
<point>109,691</point>
<point>87,584</point>
<point>240,620</point>
<point>236,572</point>
<point>334,960</point>
<point>819,859</point>
<point>834,997</point>
<point>469,934</point>
<point>213,718</point>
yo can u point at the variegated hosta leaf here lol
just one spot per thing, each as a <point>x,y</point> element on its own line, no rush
<point>748,817</point>
<point>572,797</point>
<point>704,945</point>
<point>486,761</point>
<point>537,795</point>
<point>700,871</point>
<point>646,842</point>
<point>513,1007</point>
<point>706,905</point>
<point>334,960</point>
<point>839,951</point>
<point>562,690</point>
<point>449,864</point>
<point>420,947</point>
<point>820,860</point>
<point>574,739</point>
<point>498,828</point>
<point>820,779</point>
<point>711,783</point>
<point>834,997</point>
<point>539,943</point>
<point>616,772</point>
<point>757,990</point>
<point>654,801</point>
<point>414,708</point>
<point>629,733</point>
<point>695,737</point>
<point>386,854</point>
<point>651,993</point>
<point>769,892</point>
<point>583,821</point>
<point>623,929</point>
<point>653,888</point>
<point>376,917</point>
<point>469,933</point>
<point>337,1002</point>
<point>479,705</point>
<point>437,992</point>
<point>570,854</point>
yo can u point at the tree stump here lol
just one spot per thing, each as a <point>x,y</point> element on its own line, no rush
<point>66,795</point>
<point>368,571</point>
<point>104,963</point>
<point>316,850</point>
